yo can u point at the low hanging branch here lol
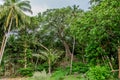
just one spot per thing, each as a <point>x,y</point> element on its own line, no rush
<point>110,64</point>
<point>118,63</point>
<point>44,47</point>
<point>114,70</point>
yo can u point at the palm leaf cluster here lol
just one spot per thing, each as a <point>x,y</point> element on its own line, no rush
<point>14,9</point>
<point>11,16</point>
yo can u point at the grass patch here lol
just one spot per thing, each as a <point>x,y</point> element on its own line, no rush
<point>71,77</point>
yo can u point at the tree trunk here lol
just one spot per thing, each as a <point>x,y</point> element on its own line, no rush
<point>66,46</point>
<point>2,46</point>
<point>4,41</point>
<point>119,61</point>
<point>67,49</point>
<point>72,55</point>
<point>49,63</point>
<point>36,63</point>
<point>25,56</point>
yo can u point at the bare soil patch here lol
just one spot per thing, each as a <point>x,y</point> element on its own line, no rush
<point>13,79</point>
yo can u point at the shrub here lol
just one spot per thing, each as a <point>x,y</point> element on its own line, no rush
<point>80,67</point>
<point>98,73</point>
<point>26,72</point>
<point>59,74</point>
<point>41,67</point>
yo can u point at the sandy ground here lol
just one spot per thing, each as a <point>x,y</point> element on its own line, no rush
<point>13,79</point>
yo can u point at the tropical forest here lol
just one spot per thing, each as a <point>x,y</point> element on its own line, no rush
<point>66,43</point>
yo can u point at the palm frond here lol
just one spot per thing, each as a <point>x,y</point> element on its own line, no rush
<point>44,53</point>
<point>25,6</point>
<point>7,2</point>
<point>3,11</point>
<point>44,47</point>
<point>39,56</point>
<point>16,18</point>
<point>8,18</point>
<point>26,9</point>
<point>24,19</point>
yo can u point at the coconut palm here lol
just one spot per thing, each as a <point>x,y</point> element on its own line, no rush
<point>50,55</point>
<point>12,14</point>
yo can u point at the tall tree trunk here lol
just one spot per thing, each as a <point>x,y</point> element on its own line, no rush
<point>25,56</point>
<point>67,49</point>
<point>119,61</point>
<point>4,41</point>
<point>72,55</point>
<point>66,46</point>
<point>49,63</point>
<point>2,46</point>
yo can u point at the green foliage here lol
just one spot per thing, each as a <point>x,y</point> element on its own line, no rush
<point>97,30</point>
<point>1,70</point>
<point>94,53</point>
<point>71,77</point>
<point>26,71</point>
<point>42,67</point>
<point>97,34</point>
<point>79,67</point>
<point>59,74</point>
<point>98,73</point>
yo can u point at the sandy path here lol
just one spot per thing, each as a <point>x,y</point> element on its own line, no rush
<point>13,79</point>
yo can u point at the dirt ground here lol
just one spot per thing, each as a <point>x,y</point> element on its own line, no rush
<point>13,79</point>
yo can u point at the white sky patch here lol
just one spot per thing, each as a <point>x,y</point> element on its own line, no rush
<point>39,8</point>
<point>1,2</point>
<point>42,5</point>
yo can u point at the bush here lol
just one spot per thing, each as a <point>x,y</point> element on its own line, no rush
<point>59,74</point>
<point>71,77</point>
<point>80,67</point>
<point>98,73</point>
<point>41,67</point>
<point>26,72</point>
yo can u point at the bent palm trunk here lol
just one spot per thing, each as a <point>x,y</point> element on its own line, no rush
<point>4,41</point>
<point>2,47</point>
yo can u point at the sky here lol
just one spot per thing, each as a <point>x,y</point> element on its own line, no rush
<point>42,5</point>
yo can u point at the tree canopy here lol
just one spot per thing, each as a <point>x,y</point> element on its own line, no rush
<point>61,41</point>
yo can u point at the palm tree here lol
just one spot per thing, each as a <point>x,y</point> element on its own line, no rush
<point>50,55</point>
<point>12,11</point>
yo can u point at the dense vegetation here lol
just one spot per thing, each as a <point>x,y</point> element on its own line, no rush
<point>60,44</point>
